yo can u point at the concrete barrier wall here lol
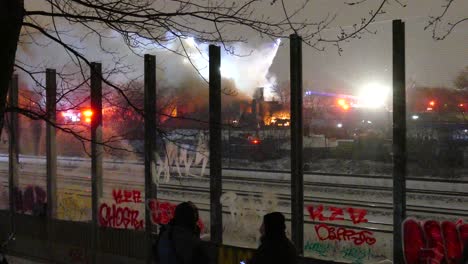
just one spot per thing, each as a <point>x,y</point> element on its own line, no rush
<point>70,242</point>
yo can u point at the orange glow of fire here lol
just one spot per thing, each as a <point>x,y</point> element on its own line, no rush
<point>271,120</point>
<point>88,120</point>
<point>174,112</point>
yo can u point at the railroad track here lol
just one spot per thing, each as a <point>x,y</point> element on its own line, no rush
<point>370,192</point>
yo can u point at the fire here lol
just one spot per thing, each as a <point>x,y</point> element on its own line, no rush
<point>174,112</point>
<point>281,115</point>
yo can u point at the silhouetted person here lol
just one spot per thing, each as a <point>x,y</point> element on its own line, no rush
<point>275,247</point>
<point>179,241</point>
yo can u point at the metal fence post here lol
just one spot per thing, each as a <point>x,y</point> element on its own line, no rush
<point>150,143</point>
<point>216,213</point>
<point>96,152</point>
<point>51,151</point>
<point>297,170</point>
<point>399,138</point>
<point>13,150</point>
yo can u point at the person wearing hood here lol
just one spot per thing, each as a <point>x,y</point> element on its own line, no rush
<point>275,247</point>
<point>179,241</point>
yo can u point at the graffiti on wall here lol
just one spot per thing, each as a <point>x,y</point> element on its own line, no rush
<point>433,241</point>
<point>73,207</point>
<point>356,255</point>
<point>119,213</point>
<point>180,159</point>
<point>334,233</point>
<point>163,212</point>
<point>246,214</point>
<point>31,200</point>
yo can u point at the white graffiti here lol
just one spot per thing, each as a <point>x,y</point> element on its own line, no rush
<point>246,214</point>
<point>181,159</point>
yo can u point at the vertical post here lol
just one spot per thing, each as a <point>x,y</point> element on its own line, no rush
<point>13,150</point>
<point>150,143</point>
<point>51,153</point>
<point>215,146</point>
<point>96,151</point>
<point>297,170</point>
<point>51,97</point>
<point>399,138</point>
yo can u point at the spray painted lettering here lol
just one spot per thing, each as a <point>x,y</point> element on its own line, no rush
<point>433,242</point>
<point>182,159</point>
<point>163,212</point>
<point>322,249</point>
<point>73,207</point>
<point>356,255</point>
<point>118,216</point>
<point>246,213</point>
<point>327,232</point>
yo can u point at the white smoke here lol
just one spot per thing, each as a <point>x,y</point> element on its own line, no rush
<point>248,67</point>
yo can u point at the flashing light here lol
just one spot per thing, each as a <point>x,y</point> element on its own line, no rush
<point>415,117</point>
<point>343,104</point>
<point>461,105</point>
<point>88,120</point>
<point>432,103</point>
<point>430,109</point>
<point>339,125</point>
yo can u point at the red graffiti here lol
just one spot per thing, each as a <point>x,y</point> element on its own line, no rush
<point>116,217</point>
<point>433,242</point>
<point>163,212</point>
<point>355,214</point>
<point>326,232</point>
<point>126,196</point>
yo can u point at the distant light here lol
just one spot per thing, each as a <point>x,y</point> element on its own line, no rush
<point>88,120</point>
<point>373,95</point>
<point>432,103</point>
<point>339,125</point>
<point>466,130</point>
<point>255,141</point>
<point>369,122</point>
<point>461,105</point>
<point>341,102</point>
<point>429,109</point>
<point>415,117</point>
<point>88,113</point>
